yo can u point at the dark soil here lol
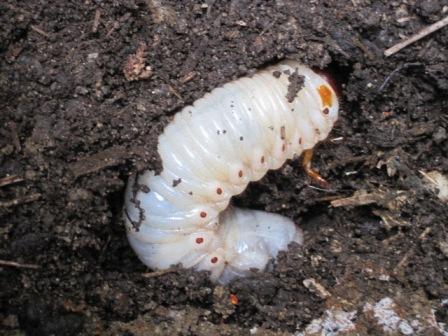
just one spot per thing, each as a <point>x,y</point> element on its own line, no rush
<point>73,127</point>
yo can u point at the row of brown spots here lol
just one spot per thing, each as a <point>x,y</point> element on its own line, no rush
<point>219,191</point>
<point>203,214</point>
<point>199,240</point>
<point>214,260</point>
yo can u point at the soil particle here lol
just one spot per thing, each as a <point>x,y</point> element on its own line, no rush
<point>295,85</point>
<point>73,128</point>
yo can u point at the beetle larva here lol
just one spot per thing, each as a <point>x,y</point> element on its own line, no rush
<point>210,152</point>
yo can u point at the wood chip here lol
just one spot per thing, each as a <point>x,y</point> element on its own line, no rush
<point>390,199</point>
<point>360,197</point>
<point>96,21</point>
<point>99,161</point>
<point>313,286</point>
<point>135,67</point>
<point>39,31</point>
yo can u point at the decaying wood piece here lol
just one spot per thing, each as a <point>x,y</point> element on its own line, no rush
<point>135,67</point>
<point>387,198</point>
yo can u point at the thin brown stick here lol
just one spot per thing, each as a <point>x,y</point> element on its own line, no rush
<point>18,265</point>
<point>4,181</point>
<point>425,233</point>
<point>328,198</point>
<point>359,198</point>
<point>174,92</point>
<point>39,31</point>
<point>20,200</point>
<point>421,34</point>
<point>404,261</point>
<point>158,273</point>
<point>188,77</point>
<point>15,135</point>
<point>101,160</point>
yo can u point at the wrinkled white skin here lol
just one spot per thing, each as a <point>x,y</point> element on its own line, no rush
<point>225,140</point>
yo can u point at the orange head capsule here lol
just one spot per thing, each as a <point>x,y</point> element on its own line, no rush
<point>325,95</point>
<point>329,78</point>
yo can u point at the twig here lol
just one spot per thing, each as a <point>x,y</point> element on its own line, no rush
<point>421,34</point>
<point>10,180</point>
<point>357,42</point>
<point>115,25</point>
<point>188,77</point>
<point>320,189</point>
<point>40,31</point>
<point>174,92</point>
<point>327,198</point>
<point>109,157</point>
<point>393,73</point>
<point>158,273</point>
<point>96,21</point>
<point>425,233</point>
<point>15,136</point>
<point>429,178</point>
<point>359,198</point>
<point>20,200</point>
<point>18,265</point>
<point>403,262</point>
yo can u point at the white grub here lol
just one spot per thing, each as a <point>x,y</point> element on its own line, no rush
<point>210,152</point>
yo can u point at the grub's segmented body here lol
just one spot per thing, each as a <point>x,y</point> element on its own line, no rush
<point>210,152</point>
